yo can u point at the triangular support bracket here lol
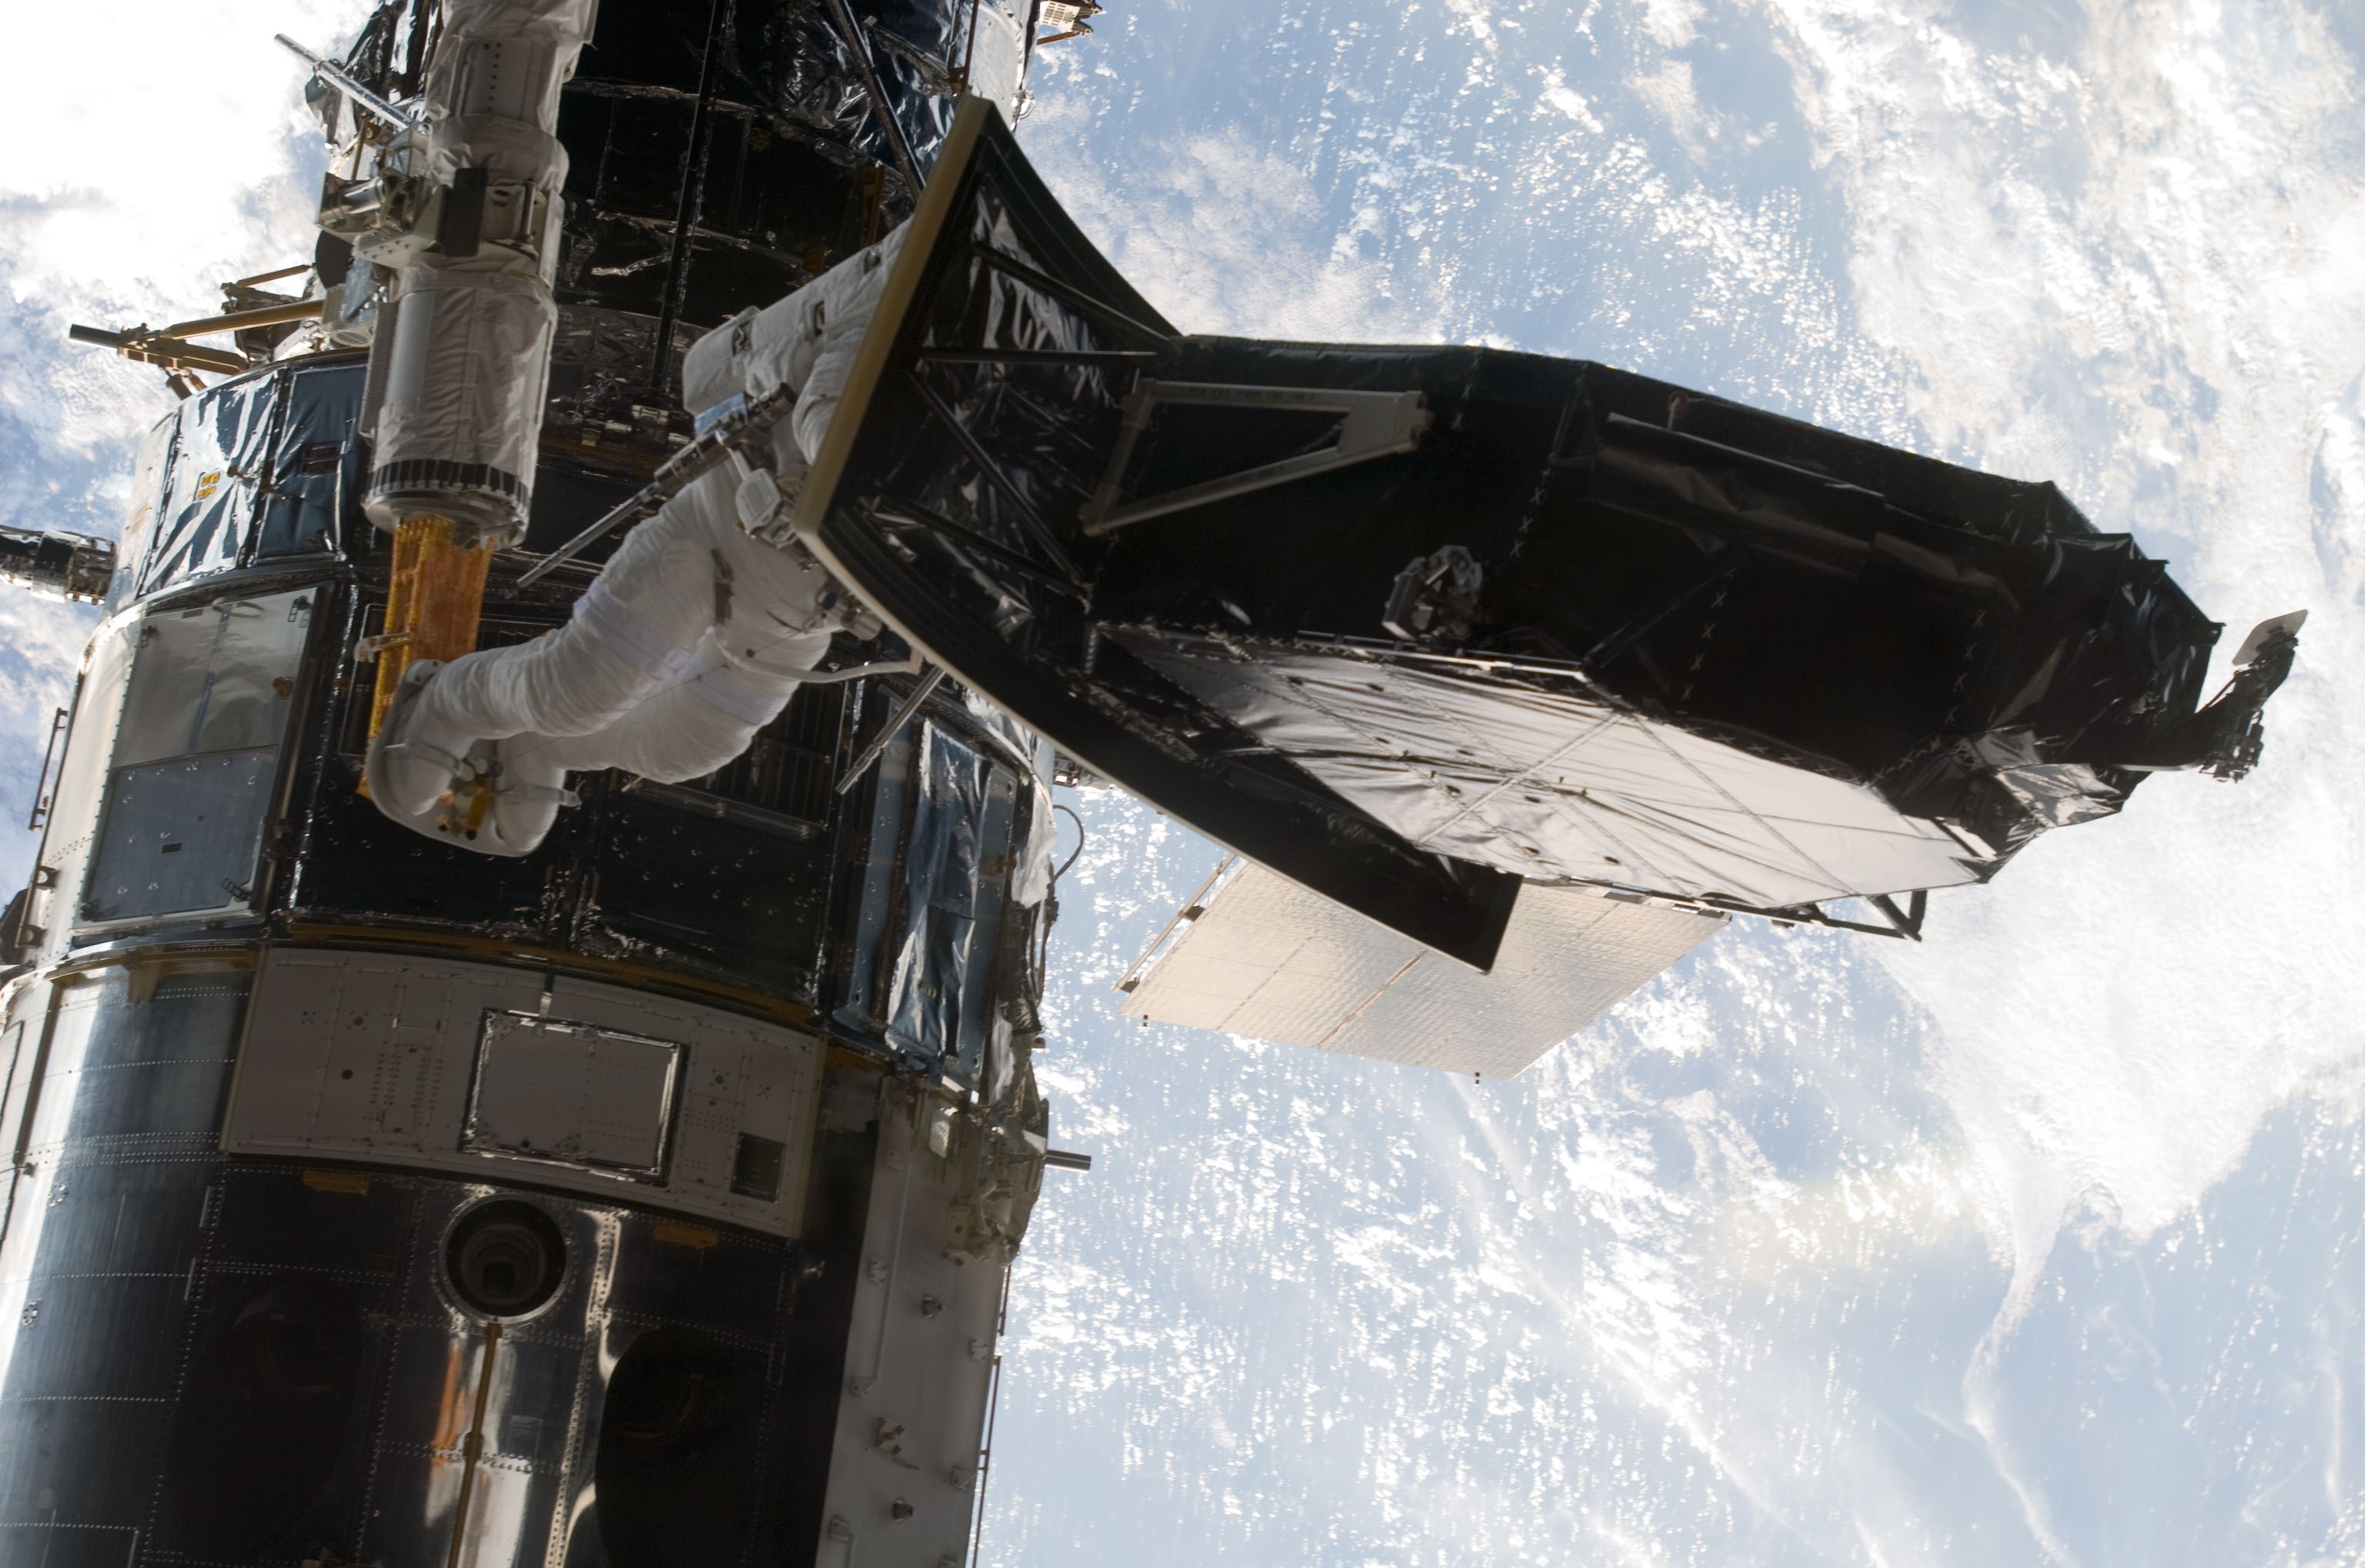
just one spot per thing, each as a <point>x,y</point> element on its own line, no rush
<point>1376,424</point>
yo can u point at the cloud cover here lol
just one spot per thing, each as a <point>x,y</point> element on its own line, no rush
<point>155,153</point>
<point>2024,1244</point>
<point>2035,1242</point>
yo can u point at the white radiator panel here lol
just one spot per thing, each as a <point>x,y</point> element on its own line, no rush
<point>1269,959</point>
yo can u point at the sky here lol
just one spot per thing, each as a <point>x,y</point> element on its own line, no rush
<point>2031,1243</point>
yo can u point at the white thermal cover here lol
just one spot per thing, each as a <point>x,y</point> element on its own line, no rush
<point>465,382</point>
<point>1268,959</point>
<point>466,354</point>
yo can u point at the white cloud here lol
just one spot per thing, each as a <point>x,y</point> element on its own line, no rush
<point>1673,23</point>
<point>154,151</point>
<point>2156,307</point>
<point>2134,273</point>
<point>1264,267</point>
<point>1560,96</point>
<point>1668,90</point>
<point>156,139</point>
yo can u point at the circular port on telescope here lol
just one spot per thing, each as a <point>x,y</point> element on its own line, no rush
<point>505,1259</point>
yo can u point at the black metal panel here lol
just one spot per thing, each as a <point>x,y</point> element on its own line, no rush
<point>346,862</point>
<point>264,1461</point>
<point>955,511</point>
<point>720,154</point>
<point>154,1100</point>
<point>97,1340</point>
<point>731,879</point>
<point>568,493</point>
<point>1785,597</point>
<point>777,206</point>
<point>678,1438</point>
<point>726,878</point>
<point>677,884</point>
<point>77,1478</point>
<point>355,864</point>
<point>1474,482</point>
<point>786,64</point>
<point>266,1218</point>
<point>147,1229</point>
<point>1847,612</point>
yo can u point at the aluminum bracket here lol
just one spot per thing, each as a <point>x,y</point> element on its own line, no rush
<point>1378,425</point>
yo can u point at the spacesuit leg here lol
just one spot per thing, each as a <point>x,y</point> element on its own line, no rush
<point>486,726</point>
<point>684,731</point>
<point>756,620</point>
<point>635,630</point>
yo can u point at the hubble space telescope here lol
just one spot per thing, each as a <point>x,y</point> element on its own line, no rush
<point>520,1039</point>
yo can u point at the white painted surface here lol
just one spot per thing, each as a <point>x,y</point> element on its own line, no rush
<point>379,1058</point>
<point>919,1362</point>
<point>1270,960</point>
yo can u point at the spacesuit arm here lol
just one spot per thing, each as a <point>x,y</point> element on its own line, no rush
<point>852,296</point>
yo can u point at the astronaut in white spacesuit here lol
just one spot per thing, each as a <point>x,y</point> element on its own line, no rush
<point>692,637</point>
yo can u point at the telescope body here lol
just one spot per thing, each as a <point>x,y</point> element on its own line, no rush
<point>645,1200</point>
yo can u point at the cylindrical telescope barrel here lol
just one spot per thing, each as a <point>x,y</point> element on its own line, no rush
<point>462,362</point>
<point>374,1201</point>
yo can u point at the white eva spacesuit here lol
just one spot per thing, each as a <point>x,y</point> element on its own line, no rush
<point>692,637</point>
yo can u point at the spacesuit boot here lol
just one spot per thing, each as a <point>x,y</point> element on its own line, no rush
<point>409,770</point>
<point>527,789</point>
<point>444,784</point>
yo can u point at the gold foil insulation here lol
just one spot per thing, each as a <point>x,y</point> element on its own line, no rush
<point>432,606</point>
